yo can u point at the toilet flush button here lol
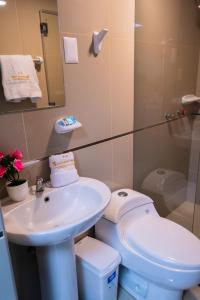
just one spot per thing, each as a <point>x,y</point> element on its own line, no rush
<point>122,194</point>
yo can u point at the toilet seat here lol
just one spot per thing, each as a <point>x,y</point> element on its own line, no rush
<point>164,242</point>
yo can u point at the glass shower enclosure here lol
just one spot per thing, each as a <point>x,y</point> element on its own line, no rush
<point>166,133</point>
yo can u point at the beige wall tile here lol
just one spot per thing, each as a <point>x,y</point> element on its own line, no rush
<point>42,139</point>
<point>198,79</point>
<point>9,30</point>
<point>87,92</point>
<point>187,67</point>
<point>29,23</point>
<point>166,61</point>
<point>159,20</point>
<point>189,21</point>
<point>121,19</point>
<point>149,69</point>
<point>171,97</point>
<point>122,57</point>
<point>96,162</point>
<point>82,16</point>
<point>12,135</point>
<point>123,162</point>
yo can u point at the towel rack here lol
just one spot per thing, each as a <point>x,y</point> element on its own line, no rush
<point>38,60</point>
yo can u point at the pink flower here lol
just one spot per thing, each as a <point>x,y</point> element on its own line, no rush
<point>1,156</point>
<point>17,154</point>
<point>18,165</point>
<point>2,171</point>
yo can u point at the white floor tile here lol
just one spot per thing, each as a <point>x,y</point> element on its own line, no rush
<point>193,294</point>
<point>123,295</point>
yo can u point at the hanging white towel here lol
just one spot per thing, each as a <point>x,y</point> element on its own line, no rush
<point>19,78</point>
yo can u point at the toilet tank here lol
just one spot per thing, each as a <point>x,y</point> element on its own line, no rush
<point>123,201</point>
<point>167,188</point>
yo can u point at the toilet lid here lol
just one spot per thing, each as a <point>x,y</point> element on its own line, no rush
<point>164,241</point>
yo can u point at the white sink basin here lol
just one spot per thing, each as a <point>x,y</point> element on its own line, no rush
<point>50,222</point>
<point>57,214</point>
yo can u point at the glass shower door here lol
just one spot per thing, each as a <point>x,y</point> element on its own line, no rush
<point>166,137</point>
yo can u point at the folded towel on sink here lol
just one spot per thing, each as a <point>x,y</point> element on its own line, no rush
<point>61,160</point>
<point>63,170</point>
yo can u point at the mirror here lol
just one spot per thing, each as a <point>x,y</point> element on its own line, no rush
<point>31,28</point>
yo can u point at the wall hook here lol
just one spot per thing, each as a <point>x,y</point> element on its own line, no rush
<point>97,40</point>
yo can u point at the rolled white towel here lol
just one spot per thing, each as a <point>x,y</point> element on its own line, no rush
<point>63,170</point>
<point>61,160</point>
<point>64,177</point>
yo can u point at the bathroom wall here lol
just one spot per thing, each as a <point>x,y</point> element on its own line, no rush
<point>99,92</point>
<point>166,68</point>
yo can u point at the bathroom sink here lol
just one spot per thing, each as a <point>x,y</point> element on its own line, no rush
<point>57,214</point>
<point>50,221</point>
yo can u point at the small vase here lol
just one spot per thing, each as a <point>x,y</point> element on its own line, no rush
<point>18,192</point>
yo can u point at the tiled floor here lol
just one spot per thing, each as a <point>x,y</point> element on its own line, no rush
<point>123,295</point>
<point>193,294</point>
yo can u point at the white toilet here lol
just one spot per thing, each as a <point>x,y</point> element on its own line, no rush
<point>160,258</point>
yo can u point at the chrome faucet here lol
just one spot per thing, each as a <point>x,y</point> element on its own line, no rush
<point>39,185</point>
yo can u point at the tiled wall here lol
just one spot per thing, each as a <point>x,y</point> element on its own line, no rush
<point>99,92</point>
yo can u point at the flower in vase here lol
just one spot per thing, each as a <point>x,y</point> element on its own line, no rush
<point>17,154</point>
<point>10,167</point>
<point>18,165</point>
<point>1,156</point>
<point>2,171</point>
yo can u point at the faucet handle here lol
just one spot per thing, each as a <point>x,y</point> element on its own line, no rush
<point>39,184</point>
<point>39,178</point>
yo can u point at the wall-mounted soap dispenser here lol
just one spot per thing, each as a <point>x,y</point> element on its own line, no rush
<point>67,124</point>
